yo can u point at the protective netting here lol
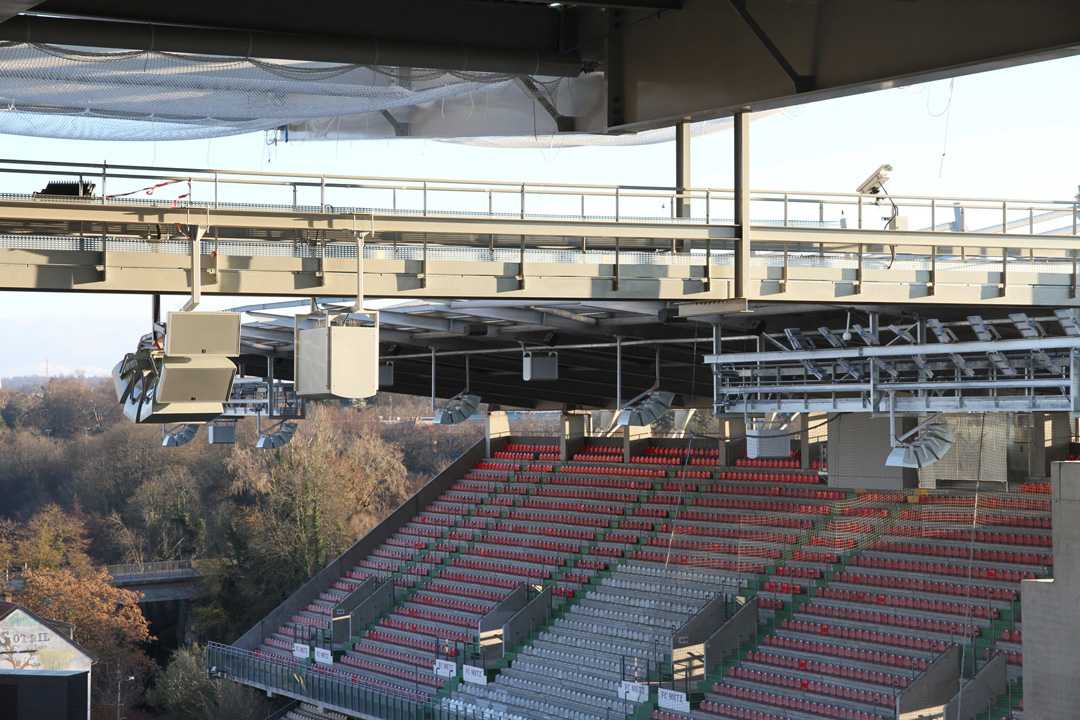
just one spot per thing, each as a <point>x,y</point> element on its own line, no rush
<point>59,91</point>
<point>979,452</point>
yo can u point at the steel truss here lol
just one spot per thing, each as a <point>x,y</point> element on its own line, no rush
<point>898,369</point>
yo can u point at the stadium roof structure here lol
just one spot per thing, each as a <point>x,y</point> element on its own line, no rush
<point>523,71</point>
<point>784,356</point>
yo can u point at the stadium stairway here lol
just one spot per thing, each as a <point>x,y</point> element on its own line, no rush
<point>862,590</point>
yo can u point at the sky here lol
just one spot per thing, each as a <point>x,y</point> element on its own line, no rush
<point>1003,134</point>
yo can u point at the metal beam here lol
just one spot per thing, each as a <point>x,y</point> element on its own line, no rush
<point>623,4</point>
<point>125,33</point>
<point>876,351</point>
<point>1014,404</point>
<point>682,168</point>
<point>742,204</point>
<point>11,8</point>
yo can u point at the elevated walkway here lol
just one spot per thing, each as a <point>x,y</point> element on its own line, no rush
<point>294,234</point>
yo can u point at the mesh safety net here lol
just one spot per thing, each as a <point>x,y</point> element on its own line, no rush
<point>61,91</point>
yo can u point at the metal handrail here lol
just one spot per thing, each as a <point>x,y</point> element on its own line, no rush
<point>785,200</point>
<point>302,680</point>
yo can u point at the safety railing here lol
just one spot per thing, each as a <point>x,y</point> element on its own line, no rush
<point>157,567</point>
<point>229,189</point>
<point>303,681</point>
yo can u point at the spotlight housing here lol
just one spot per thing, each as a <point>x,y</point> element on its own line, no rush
<point>277,437</point>
<point>646,409</point>
<point>933,442</point>
<point>179,435</point>
<point>457,409</point>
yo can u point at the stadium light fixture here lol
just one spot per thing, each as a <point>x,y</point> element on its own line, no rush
<point>179,435</point>
<point>645,409</point>
<point>276,437</point>
<point>457,409</point>
<point>924,445</point>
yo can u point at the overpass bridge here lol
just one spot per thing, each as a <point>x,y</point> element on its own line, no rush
<point>158,581</point>
<point>161,581</point>
<point>143,229</point>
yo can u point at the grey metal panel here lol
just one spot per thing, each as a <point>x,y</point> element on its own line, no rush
<point>858,445</point>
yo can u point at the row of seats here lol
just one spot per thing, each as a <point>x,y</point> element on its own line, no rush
<point>954,551</point>
<point>617,470</point>
<point>985,500</point>
<point>922,567</point>
<point>965,534</point>
<point>847,652</point>
<point>817,687</point>
<point>776,491</point>
<point>790,702</point>
<point>790,462</point>
<point>941,587</point>
<point>749,476</point>
<point>932,514</point>
<point>911,603</point>
<point>875,617</point>
<point>517,455</point>
<point>682,452</point>
<point>529,447</point>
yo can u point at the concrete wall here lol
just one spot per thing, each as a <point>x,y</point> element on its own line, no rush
<point>491,624</point>
<point>858,446</point>
<point>738,628</point>
<point>362,547</point>
<point>934,688</point>
<point>527,619</point>
<point>979,692</point>
<point>574,428</point>
<point>1051,610</point>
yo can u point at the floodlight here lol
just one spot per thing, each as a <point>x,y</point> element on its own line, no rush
<point>876,182</point>
<point>902,456</point>
<point>457,409</point>
<point>278,437</point>
<point>179,435</point>
<point>924,446</point>
<point>646,410</point>
<point>1069,319</point>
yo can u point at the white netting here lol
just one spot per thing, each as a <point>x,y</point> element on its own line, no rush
<point>54,91</point>
<point>93,94</point>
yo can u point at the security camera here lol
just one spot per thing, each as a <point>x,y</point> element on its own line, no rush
<point>846,335</point>
<point>875,183</point>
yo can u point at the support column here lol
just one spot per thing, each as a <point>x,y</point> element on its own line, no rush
<point>733,427</point>
<point>573,434</point>
<point>1037,447</point>
<point>1060,437</point>
<point>742,204</point>
<point>681,205</point>
<point>804,441</point>
<point>496,431</point>
<point>682,167</point>
<point>1051,653</point>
